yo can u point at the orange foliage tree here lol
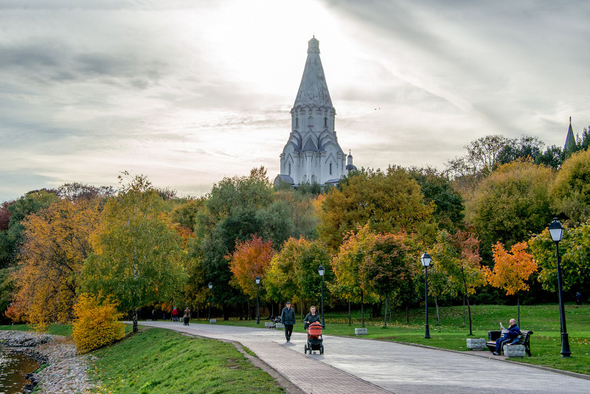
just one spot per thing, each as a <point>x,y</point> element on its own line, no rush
<point>511,269</point>
<point>57,241</point>
<point>250,259</point>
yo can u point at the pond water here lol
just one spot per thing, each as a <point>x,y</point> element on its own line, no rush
<point>13,368</point>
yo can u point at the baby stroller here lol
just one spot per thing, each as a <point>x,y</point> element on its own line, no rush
<point>315,341</point>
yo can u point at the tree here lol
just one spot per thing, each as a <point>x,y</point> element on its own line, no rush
<point>57,242</point>
<point>138,257</point>
<point>511,204</point>
<point>250,259</point>
<point>571,190</point>
<point>438,189</point>
<point>525,147</point>
<point>511,269</point>
<point>457,256</point>
<point>350,284</point>
<point>387,201</point>
<point>12,237</point>
<point>574,249</point>
<point>387,268</point>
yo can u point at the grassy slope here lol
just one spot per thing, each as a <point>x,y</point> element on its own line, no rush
<point>542,319</point>
<point>162,361</point>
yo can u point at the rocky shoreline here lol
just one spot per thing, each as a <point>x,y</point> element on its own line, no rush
<point>61,369</point>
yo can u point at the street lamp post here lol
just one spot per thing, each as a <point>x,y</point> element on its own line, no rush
<point>210,298</point>
<point>257,300</point>
<point>425,259</point>
<point>556,231</point>
<point>321,272</point>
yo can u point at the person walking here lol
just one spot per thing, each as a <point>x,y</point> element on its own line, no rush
<point>311,317</point>
<point>288,320</point>
<point>174,314</point>
<point>187,316</point>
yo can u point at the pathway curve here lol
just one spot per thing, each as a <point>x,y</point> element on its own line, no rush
<point>351,365</point>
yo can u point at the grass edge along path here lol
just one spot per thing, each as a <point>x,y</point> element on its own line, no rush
<point>164,361</point>
<point>542,319</point>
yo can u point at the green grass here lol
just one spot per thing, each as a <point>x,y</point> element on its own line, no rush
<point>162,361</point>
<point>542,319</point>
<point>54,329</point>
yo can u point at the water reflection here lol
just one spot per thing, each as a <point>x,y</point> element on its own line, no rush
<point>13,368</point>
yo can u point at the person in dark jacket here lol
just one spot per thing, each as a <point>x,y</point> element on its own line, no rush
<point>513,332</point>
<point>311,317</point>
<point>288,320</point>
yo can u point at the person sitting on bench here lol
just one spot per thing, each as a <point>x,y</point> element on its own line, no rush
<point>512,333</point>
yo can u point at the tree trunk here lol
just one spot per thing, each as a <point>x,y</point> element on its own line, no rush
<point>363,308</point>
<point>469,312</point>
<point>437,314</point>
<point>135,327</point>
<point>407,314</point>
<point>385,317</point>
<point>463,310</point>
<point>518,303</point>
<point>349,316</point>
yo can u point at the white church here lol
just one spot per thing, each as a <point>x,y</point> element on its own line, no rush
<point>312,153</point>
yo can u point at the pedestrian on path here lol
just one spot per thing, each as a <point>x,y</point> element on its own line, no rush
<point>187,316</point>
<point>288,320</point>
<point>174,314</point>
<point>311,317</point>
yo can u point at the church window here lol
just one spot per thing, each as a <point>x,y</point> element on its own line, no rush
<point>325,121</point>
<point>310,120</point>
<point>290,169</point>
<point>296,122</point>
<point>330,168</point>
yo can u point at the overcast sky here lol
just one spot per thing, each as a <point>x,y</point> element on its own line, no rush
<point>188,92</point>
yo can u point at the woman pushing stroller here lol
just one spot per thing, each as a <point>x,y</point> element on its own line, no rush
<point>314,332</point>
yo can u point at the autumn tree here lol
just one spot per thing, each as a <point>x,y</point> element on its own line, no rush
<point>349,283</point>
<point>57,242</point>
<point>457,256</point>
<point>138,258</point>
<point>511,270</point>
<point>387,269</point>
<point>293,272</point>
<point>511,204</point>
<point>387,201</point>
<point>250,259</point>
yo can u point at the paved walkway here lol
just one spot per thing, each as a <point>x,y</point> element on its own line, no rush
<point>360,366</point>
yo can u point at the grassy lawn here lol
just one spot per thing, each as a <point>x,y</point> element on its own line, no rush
<point>162,361</point>
<point>542,319</point>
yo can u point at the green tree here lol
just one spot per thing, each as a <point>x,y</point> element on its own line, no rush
<point>571,190</point>
<point>574,250</point>
<point>457,256</point>
<point>387,201</point>
<point>138,257</point>
<point>511,204</point>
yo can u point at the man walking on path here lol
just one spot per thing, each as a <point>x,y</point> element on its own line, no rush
<point>288,320</point>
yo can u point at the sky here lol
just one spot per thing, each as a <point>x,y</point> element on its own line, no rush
<point>190,92</point>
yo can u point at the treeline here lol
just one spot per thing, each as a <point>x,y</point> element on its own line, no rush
<point>483,223</point>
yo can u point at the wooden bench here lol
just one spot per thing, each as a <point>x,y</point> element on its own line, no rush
<point>523,339</point>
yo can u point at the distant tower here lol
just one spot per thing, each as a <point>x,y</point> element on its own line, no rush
<point>570,140</point>
<point>312,153</point>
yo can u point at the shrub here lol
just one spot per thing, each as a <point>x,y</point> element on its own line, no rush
<point>96,323</point>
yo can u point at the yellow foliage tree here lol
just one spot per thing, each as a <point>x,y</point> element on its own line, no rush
<point>57,241</point>
<point>511,269</point>
<point>96,324</point>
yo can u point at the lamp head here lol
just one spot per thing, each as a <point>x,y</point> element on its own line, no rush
<point>258,280</point>
<point>556,230</point>
<point>210,285</point>
<point>425,259</point>
<point>321,270</point>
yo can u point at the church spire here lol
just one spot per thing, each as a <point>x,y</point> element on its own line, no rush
<point>570,140</point>
<point>313,90</point>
